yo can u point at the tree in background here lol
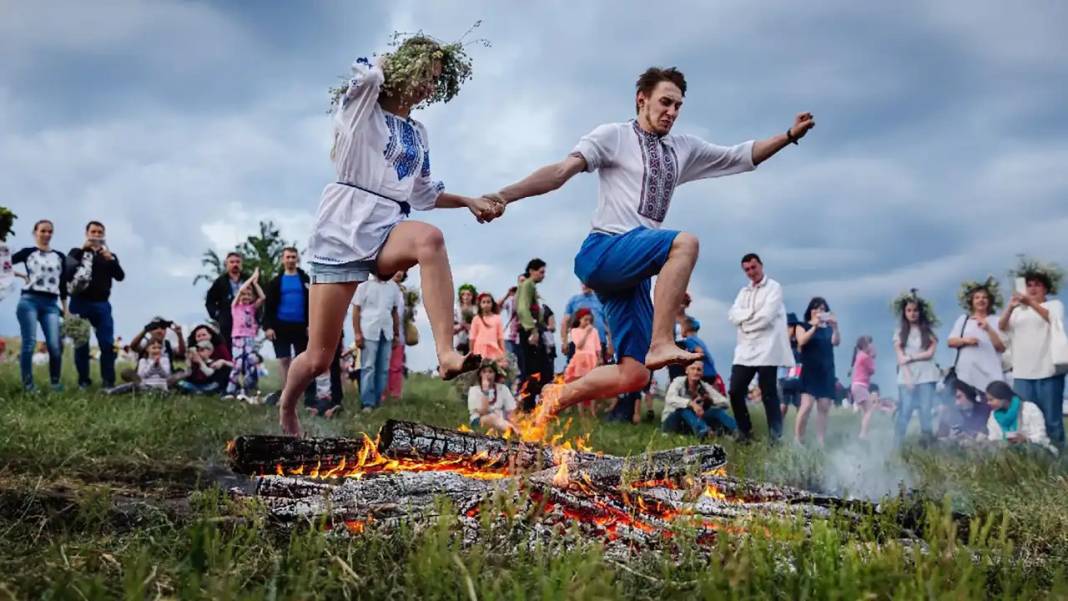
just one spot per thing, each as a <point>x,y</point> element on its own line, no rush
<point>263,251</point>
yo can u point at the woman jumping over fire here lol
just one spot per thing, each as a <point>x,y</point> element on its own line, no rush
<point>382,161</point>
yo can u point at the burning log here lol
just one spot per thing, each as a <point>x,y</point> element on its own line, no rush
<point>259,455</point>
<point>401,439</point>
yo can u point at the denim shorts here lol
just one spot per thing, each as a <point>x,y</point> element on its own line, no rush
<point>341,273</point>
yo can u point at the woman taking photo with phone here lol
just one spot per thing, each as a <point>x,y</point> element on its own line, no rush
<point>1032,320</point>
<point>817,335</point>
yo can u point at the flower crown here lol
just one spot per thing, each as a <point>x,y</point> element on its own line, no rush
<point>898,305</point>
<point>970,287</point>
<point>1033,269</point>
<point>410,62</point>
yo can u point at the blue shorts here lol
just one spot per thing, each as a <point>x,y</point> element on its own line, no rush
<point>619,268</point>
<point>341,273</point>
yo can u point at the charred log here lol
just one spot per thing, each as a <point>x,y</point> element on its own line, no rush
<point>410,440</point>
<point>259,455</point>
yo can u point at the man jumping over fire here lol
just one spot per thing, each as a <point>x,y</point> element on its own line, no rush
<point>640,163</point>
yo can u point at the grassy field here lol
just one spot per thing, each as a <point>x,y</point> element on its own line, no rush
<point>121,497</point>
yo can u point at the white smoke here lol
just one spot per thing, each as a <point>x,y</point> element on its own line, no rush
<point>867,469</point>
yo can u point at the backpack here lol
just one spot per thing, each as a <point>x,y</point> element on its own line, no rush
<point>78,273</point>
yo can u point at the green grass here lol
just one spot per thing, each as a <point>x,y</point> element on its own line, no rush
<point>119,497</point>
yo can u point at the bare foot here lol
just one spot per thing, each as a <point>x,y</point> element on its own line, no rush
<point>661,355</point>
<point>287,418</point>
<point>453,364</point>
<point>331,412</point>
<point>550,404</point>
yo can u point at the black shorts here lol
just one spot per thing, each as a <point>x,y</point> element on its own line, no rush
<point>290,339</point>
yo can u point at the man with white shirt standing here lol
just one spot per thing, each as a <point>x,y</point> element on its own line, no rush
<point>376,325</point>
<point>763,346</point>
<point>640,163</point>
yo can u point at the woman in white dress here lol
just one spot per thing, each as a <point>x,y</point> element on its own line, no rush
<point>976,336</point>
<point>382,160</point>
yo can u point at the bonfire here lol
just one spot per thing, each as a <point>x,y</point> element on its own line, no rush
<point>399,477</point>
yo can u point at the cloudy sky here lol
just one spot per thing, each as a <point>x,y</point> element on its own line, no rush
<point>939,154</point>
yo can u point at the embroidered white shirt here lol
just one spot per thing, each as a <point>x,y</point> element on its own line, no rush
<point>639,171</point>
<point>760,316</point>
<point>385,155</point>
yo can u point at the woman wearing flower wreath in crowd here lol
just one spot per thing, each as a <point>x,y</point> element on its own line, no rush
<point>462,316</point>
<point>382,160</point>
<point>975,334</point>
<point>915,344</point>
<point>1032,320</point>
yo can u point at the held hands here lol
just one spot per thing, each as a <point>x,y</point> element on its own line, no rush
<point>802,123</point>
<point>485,209</point>
<point>358,340</point>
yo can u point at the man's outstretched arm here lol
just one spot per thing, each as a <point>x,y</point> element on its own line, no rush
<point>545,179</point>
<point>764,149</point>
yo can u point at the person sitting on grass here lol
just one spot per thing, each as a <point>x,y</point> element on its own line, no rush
<point>694,406</point>
<point>966,418</point>
<point>201,377</point>
<point>220,351</point>
<point>245,375</point>
<point>1014,420</point>
<point>490,403</point>
<point>153,371</point>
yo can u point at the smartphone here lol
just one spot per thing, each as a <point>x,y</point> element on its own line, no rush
<point>1021,285</point>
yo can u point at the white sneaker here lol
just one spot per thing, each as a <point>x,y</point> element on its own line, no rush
<point>228,397</point>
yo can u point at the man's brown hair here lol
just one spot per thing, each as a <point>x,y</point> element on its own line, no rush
<point>653,75</point>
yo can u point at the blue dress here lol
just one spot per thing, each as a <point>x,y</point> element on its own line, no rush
<point>817,364</point>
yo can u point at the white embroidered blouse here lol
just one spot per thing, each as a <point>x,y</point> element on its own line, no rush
<point>382,163</point>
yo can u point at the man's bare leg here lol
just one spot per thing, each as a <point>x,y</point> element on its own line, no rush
<point>671,284</point>
<point>605,381</point>
<point>327,305</point>
<point>413,243</point>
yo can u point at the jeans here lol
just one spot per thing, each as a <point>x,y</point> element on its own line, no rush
<point>374,369</point>
<point>245,375</point>
<point>1048,394</point>
<point>741,376</point>
<point>685,420</point>
<point>99,315</point>
<point>188,387</point>
<point>920,399</point>
<point>35,309</point>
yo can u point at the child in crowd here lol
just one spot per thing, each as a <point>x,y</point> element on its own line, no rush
<point>201,378</point>
<point>487,332</point>
<point>490,403</point>
<point>587,356</point>
<point>153,371</point>
<point>860,387</point>
<point>350,362</point>
<point>244,376</point>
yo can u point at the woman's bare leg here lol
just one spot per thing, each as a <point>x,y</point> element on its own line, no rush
<point>414,243</point>
<point>801,420</point>
<point>823,415</point>
<point>327,306</point>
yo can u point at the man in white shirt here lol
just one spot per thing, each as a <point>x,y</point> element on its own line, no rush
<point>763,346</point>
<point>376,325</point>
<point>640,163</point>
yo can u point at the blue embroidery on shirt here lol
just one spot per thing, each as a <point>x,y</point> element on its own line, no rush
<point>363,60</point>
<point>660,174</point>
<point>404,149</point>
